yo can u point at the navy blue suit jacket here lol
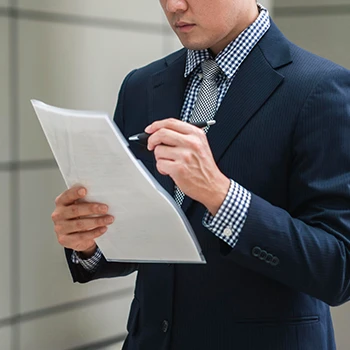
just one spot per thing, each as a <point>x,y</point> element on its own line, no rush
<point>283,132</point>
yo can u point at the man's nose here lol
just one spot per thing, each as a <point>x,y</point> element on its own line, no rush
<point>176,6</point>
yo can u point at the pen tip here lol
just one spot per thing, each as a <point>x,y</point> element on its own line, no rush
<point>133,138</point>
<point>211,122</point>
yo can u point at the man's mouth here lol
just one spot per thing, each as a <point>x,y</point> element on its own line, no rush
<point>184,26</point>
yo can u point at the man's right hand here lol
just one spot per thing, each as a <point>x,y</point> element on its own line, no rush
<point>78,223</point>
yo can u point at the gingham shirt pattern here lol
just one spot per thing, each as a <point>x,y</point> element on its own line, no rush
<point>88,264</point>
<point>229,220</point>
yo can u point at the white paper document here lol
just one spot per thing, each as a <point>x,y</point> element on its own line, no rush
<point>91,151</point>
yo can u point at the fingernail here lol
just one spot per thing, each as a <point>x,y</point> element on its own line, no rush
<point>103,229</point>
<point>148,129</point>
<point>103,208</point>
<point>82,192</point>
<point>110,220</point>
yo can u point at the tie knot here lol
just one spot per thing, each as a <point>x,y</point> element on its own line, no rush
<point>210,70</point>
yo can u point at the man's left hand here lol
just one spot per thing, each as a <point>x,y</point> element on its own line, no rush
<point>182,152</point>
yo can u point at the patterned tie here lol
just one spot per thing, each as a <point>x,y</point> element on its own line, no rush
<point>205,106</point>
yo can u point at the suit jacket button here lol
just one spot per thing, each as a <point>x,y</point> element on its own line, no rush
<point>263,255</point>
<point>275,261</point>
<point>269,258</point>
<point>256,251</point>
<point>165,326</point>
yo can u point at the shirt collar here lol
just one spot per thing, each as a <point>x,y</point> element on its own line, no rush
<point>233,51</point>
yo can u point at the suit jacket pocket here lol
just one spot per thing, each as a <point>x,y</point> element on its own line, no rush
<point>290,321</point>
<point>133,320</point>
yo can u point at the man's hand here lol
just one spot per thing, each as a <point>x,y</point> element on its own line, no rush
<point>74,225</point>
<point>182,152</point>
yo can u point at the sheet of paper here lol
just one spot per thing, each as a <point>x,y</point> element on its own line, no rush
<point>91,151</point>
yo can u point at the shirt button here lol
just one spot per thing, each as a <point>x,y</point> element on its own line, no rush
<point>227,232</point>
<point>165,326</point>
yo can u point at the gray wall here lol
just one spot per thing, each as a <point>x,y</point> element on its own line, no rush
<point>74,54</point>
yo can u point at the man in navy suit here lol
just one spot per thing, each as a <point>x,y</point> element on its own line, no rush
<point>267,188</point>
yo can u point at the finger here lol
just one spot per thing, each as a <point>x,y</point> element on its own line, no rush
<point>71,195</point>
<point>173,124</point>
<point>81,241</point>
<point>82,209</point>
<point>166,137</point>
<point>81,225</point>
<point>168,153</point>
<point>166,167</point>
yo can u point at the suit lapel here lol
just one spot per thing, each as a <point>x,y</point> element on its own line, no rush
<point>254,84</point>
<point>165,100</point>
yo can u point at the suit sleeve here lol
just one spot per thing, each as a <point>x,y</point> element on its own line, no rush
<point>104,269</point>
<point>308,247</point>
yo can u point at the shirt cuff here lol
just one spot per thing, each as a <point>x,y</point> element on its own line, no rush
<point>90,264</point>
<point>230,219</point>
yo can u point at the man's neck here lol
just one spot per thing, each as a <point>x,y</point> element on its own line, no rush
<point>251,17</point>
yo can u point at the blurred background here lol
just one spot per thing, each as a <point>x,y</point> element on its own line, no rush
<point>74,54</point>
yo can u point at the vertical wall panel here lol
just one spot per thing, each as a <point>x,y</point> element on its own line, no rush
<point>303,3</point>
<point>341,320</point>
<point>133,12</point>
<point>324,35</point>
<point>171,43</point>
<point>267,3</point>
<point>5,338</point>
<point>4,90</point>
<point>74,67</point>
<point>75,328</point>
<point>5,302</point>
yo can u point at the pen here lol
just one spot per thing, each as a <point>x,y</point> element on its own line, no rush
<point>143,137</point>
